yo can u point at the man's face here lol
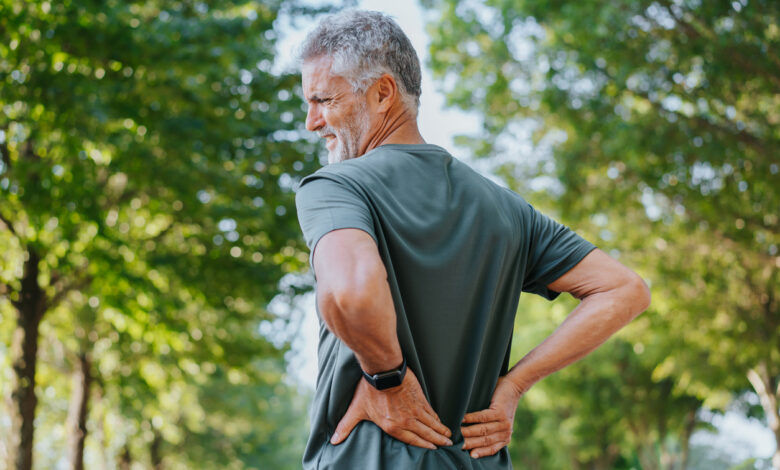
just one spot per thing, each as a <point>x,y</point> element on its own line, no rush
<point>336,113</point>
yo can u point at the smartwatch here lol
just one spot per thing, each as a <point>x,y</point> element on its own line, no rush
<point>388,379</point>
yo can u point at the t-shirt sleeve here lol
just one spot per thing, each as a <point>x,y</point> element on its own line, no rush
<point>325,204</point>
<point>553,250</point>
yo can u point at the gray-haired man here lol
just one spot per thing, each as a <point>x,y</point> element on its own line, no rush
<point>420,263</point>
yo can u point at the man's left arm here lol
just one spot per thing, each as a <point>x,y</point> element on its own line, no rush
<point>612,295</point>
<point>355,302</point>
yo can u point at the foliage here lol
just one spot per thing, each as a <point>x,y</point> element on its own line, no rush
<point>148,160</point>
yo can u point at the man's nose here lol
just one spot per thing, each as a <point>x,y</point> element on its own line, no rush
<point>314,118</point>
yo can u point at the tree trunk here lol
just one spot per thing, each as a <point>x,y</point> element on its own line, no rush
<point>77,415</point>
<point>648,456</point>
<point>685,439</point>
<point>768,391</point>
<point>607,459</point>
<point>99,433</point>
<point>30,307</point>
<point>125,461</point>
<point>154,451</point>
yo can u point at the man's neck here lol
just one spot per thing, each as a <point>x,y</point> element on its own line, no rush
<point>396,128</point>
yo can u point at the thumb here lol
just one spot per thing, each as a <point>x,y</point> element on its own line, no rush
<point>351,418</point>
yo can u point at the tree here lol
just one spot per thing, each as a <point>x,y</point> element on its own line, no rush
<point>661,121</point>
<point>148,160</point>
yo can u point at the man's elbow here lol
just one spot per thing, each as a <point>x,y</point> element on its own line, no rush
<point>331,304</point>
<point>340,305</point>
<point>639,294</point>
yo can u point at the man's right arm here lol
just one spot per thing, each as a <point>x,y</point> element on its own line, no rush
<point>612,295</point>
<point>355,302</point>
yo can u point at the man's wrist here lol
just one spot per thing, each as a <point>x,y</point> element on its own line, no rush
<point>518,384</point>
<point>378,359</point>
<point>387,379</point>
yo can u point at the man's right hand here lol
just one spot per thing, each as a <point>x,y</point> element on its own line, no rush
<point>402,412</point>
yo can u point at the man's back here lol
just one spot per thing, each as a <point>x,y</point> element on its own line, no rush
<point>458,250</point>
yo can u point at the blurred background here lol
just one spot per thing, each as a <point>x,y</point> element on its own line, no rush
<point>155,300</point>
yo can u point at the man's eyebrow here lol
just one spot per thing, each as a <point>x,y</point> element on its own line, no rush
<point>316,98</point>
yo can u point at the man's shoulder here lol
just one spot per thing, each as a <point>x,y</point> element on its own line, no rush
<point>333,178</point>
<point>413,164</point>
<point>334,172</point>
<point>354,169</point>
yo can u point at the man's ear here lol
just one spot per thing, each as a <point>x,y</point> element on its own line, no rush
<point>385,93</point>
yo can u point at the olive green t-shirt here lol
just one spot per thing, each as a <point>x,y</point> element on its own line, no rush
<point>458,250</point>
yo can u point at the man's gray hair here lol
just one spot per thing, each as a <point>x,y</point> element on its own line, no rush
<point>364,45</point>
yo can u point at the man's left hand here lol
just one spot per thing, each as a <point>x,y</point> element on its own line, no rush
<point>490,430</point>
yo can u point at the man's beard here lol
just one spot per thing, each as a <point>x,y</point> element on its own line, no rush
<point>348,136</point>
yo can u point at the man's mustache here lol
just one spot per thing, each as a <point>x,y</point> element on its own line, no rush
<point>326,131</point>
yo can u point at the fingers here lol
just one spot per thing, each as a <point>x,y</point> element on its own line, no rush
<point>487,451</point>
<point>488,435</point>
<point>479,430</point>
<point>414,432</point>
<point>402,412</point>
<point>422,402</point>
<point>411,438</point>
<point>424,428</point>
<point>491,432</point>
<point>351,418</point>
<point>423,420</point>
<point>421,427</point>
<point>483,416</point>
<point>431,434</point>
<point>431,419</point>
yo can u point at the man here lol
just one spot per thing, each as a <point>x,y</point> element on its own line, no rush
<point>419,264</point>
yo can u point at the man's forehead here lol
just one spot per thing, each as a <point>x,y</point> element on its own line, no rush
<point>317,77</point>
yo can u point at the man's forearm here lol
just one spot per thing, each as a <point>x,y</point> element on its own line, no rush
<point>364,319</point>
<point>589,325</point>
<point>354,298</point>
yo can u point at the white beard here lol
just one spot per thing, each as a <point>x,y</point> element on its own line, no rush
<point>348,137</point>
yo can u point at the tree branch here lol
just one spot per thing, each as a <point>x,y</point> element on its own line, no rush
<point>742,135</point>
<point>65,290</point>
<point>77,284</point>
<point>4,148</point>
<point>703,32</point>
<point>757,382</point>
<point>761,382</point>
<point>162,233</point>
<point>8,224</point>
<point>770,328</point>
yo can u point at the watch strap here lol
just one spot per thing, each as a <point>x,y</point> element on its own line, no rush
<point>388,379</point>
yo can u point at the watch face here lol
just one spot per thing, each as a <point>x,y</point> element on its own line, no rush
<point>388,380</point>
